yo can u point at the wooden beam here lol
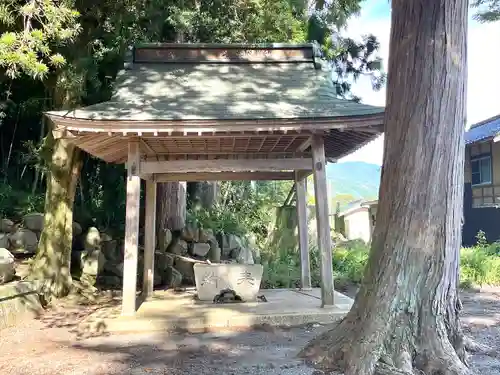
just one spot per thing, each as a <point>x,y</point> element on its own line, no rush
<point>195,155</point>
<point>323,221</point>
<point>149,239</point>
<point>224,165</point>
<point>305,265</point>
<point>147,146</point>
<point>131,229</point>
<point>222,176</point>
<point>304,145</point>
<point>304,174</point>
<point>290,195</point>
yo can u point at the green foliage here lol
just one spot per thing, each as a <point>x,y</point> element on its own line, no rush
<point>492,249</point>
<point>349,261</point>
<point>30,48</point>
<point>15,203</point>
<point>243,208</point>
<point>488,10</point>
<point>481,240</point>
<point>64,54</point>
<point>219,219</point>
<point>281,272</point>
<point>100,196</point>
<point>350,60</point>
<point>478,265</point>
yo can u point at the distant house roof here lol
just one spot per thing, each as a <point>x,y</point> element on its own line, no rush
<point>356,205</point>
<point>483,130</point>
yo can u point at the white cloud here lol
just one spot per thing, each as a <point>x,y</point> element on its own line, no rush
<point>483,76</point>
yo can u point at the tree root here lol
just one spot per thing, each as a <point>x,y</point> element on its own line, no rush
<point>473,346</point>
<point>337,351</point>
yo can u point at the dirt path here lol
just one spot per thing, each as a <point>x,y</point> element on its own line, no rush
<point>481,320</point>
<point>49,346</point>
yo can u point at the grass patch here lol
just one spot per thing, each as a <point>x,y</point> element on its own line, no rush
<point>479,265</point>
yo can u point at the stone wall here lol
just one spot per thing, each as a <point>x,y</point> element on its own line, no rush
<point>97,257</point>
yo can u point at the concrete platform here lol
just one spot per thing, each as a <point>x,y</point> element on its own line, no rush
<point>171,311</point>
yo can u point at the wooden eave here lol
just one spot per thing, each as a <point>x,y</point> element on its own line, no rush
<point>216,139</point>
<point>209,126</point>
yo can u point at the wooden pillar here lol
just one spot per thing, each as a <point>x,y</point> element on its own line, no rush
<point>131,229</point>
<point>322,219</point>
<point>305,267</point>
<point>149,239</point>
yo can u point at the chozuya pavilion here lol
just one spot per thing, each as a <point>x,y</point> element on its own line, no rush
<point>205,112</point>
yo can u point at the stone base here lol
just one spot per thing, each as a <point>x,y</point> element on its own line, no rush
<point>18,301</point>
<point>244,279</point>
<point>170,310</point>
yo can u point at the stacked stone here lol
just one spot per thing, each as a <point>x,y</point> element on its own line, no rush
<point>7,269</point>
<point>240,250</point>
<point>195,245</point>
<point>97,258</point>
<point>184,250</point>
<point>23,238</point>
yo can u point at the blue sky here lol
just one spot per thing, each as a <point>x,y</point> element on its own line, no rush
<point>483,79</point>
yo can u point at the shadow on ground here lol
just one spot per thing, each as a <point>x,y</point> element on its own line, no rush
<point>263,350</point>
<point>57,344</point>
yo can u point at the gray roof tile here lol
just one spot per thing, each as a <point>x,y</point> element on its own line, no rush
<point>483,130</point>
<point>190,91</point>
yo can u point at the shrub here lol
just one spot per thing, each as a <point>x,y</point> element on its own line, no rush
<point>350,263</point>
<point>15,203</point>
<point>478,265</point>
<point>481,240</point>
<point>284,271</point>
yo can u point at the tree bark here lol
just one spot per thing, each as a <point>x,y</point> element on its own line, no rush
<point>202,194</point>
<point>51,266</point>
<point>405,318</point>
<point>171,208</point>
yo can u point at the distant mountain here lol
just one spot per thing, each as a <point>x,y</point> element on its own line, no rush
<point>350,181</point>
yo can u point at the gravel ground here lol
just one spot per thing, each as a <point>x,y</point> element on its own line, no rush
<point>50,346</point>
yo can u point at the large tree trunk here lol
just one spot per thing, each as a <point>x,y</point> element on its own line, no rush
<point>170,209</point>
<point>51,266</point>
<point>202,194</point>
<point>405,317</point>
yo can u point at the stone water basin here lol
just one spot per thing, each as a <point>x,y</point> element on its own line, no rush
<point>244,279</point>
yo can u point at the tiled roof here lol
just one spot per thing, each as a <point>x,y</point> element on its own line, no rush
<point>483,130</point>
<point>265,93</point>
<point>223,82</point>
<point>158,91</point>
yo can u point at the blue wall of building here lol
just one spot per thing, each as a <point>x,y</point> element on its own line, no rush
<point>475,219</point>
